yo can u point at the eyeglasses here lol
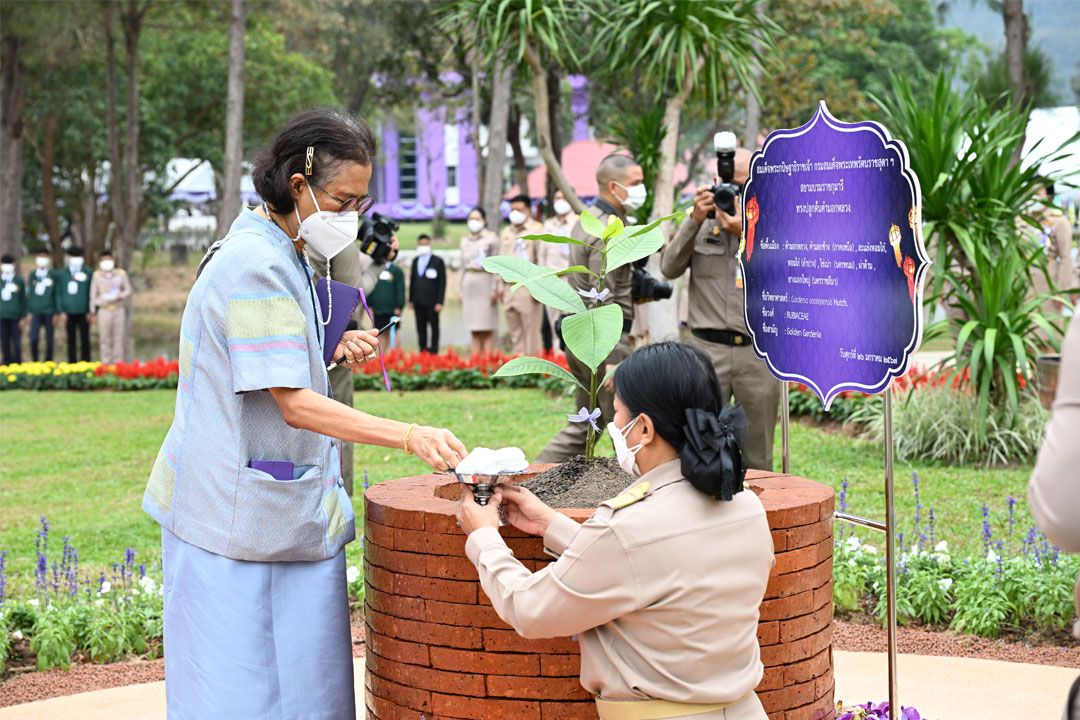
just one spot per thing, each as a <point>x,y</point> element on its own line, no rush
<point>360,205</point>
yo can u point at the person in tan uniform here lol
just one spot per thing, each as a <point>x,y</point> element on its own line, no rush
<point>351,267</point>
<point>1054,236</point>
<point>557,256</point>
<point>109,287</point>
<point>479,288</point>
<point>663,585</point>
<point>709,247</point>
<point>621,186</point>
<point>523,313</point>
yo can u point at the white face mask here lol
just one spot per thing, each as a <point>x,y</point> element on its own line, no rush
<point>107,265</point>
<point>635,196</point>
<point>423,249</point>
<point>7,269</point>
<point>42,263</point>
<point>627,456</point>
<point>517,217</point>
<point>75,263</point>
<point>561,207</point>
<point>328,232</point>
<point>475,226</point>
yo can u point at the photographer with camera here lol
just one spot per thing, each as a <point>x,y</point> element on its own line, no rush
<point>360,270</point>
<point>621,189</point>
<point>707,243</point>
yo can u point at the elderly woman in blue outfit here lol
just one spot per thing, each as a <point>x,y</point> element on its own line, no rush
<point>247,486</point>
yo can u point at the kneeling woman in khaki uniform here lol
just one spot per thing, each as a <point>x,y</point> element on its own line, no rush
<point>663,584</point>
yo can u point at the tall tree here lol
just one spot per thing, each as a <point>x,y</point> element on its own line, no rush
<point>229,203</point>
<point>1016,34</point>
<point>525,30</point>
<point>501,85</point>
<point>11,140</point>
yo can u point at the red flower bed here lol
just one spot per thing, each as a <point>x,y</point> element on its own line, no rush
<point>160,368</point>
<point>417,363</point>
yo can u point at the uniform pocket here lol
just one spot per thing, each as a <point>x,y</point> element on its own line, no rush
<point>708,259</point>
<point>279,520</point>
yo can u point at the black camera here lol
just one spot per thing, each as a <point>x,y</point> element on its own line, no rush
<point>646,288</point>
<point>376,237</point>
<point>724,194</point>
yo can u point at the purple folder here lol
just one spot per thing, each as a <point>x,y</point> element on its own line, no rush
<point>277,469</point>
<point>346,298</point>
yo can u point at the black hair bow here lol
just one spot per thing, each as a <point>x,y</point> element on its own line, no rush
<point>712,455</point>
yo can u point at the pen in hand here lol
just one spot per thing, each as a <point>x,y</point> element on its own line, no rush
<point>393,321</point>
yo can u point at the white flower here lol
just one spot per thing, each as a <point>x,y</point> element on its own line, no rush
<point>942,547</point>
<point>99,602</point>
<point>991,556</point>
<point>17,635</point>
<point>105,587</point>
<point>869,549</point>
<point>853,543</point>
<point>33,602</point>
<point>147,584</point>
<point>352,574</point>
<point>945,583</point>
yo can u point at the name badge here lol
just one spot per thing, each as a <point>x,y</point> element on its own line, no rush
<point>40,289</point>
<point>47,282</point>
<point>5,295</point>
<point>81,277</point>
<point>10,287</point>
<point>431,274</point>
<point>73,287</point>
<point>386,275</point>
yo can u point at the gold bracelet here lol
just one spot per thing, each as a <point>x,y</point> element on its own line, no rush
<point>405,444</point>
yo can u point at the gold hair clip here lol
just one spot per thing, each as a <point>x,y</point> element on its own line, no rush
<point>309,159</point>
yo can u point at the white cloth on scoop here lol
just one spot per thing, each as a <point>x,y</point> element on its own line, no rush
<point>483,461</point>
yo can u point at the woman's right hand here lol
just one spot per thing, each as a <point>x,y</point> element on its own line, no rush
<point>524,510</point>
<point>438,447</point>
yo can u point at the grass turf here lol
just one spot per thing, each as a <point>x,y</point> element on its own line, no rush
<point>82,460</point>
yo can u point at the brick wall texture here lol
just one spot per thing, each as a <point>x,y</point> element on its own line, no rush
<point>436,648</point>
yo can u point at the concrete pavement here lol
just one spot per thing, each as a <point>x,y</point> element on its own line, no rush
<point>942,688</point>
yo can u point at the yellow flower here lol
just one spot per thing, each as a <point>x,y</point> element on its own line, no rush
<point>11,378</point>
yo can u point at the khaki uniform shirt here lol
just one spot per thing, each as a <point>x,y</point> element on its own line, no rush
<point>1054,490</point>
<point>664,592</point>
<point>349,266</point>
<point>108,289</point>
<point>619,282</point>
<point>1056,238</point>
<point>552,255</point>
<point>510,243</point>
<point>716,289</point>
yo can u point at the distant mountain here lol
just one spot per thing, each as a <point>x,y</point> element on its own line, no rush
<point>1050,22</point>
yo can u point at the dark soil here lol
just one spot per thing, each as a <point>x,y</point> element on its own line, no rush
<point>578,483</point>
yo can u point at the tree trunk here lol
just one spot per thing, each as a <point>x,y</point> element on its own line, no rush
<point>753,107</point>
<point>503,78</point>
<point>131,19</point>
<point>11,130</point>
<point>1016,32</point>
<point>513,133</point>
<point>663,320</point>
<point>50,213</point>
<point>554,90</point>
<point>116,193</point>
<point>229,202</point>
<point>477,117</point>
<point>543,128</point>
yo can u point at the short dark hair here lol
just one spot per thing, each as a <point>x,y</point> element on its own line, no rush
<point>7,259</point>
<point>670,382</point>
<point>105,253</point>
<point>423,236</point>
<point>337,138</point>
<point>521,197</point>
<point>42,250</point>
<point>614,167</point>
<point>75,251</point>
<point>480,210</point>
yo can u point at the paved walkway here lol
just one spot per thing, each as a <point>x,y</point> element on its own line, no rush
<point>942,688</point>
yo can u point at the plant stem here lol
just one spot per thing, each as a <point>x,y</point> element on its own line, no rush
<point>590,441</point>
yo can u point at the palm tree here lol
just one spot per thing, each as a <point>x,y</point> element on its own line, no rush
<point>536,31</point>
<point>680,49</point>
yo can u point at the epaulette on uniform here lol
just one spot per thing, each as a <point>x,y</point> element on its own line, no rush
<point>628,497</point>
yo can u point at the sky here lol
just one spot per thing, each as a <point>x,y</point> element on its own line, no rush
<point>1054,26</point>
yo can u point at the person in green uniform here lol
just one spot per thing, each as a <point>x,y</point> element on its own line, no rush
<point>41,304</point>
<point>73,301</point>
<point>12,311</point>
<point>387,300</point>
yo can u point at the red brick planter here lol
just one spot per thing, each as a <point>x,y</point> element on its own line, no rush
<point>436,648</point>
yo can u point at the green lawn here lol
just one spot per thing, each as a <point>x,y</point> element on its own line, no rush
<point>452,234</point>
<point>82,460</point>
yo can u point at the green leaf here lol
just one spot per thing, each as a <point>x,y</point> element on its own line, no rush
<point>591,225</point>
<point>636,243</point>
<point>988,347</point>
<point>610,374</point>
<point>592,335</point>
<point>557,239</point>
<point>544,286</point>
<point>614,227</point>
<point>535,366</point>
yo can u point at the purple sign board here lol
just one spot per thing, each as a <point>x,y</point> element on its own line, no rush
<point>832,256</point>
